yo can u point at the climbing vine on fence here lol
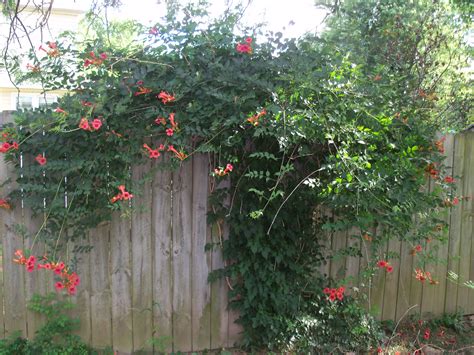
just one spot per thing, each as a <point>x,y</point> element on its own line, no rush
<point>299,128</point>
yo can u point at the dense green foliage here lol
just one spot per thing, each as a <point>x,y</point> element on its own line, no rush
<point>420,49</point>
<point>54,337</point>
<point>349,126</point>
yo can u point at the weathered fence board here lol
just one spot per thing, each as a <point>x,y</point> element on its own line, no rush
<point>162,261</point>
<point>100,287</point>
<point>14,304</point>
<point>378,284</point>
<point>83,297</point>
<point>142,265</point>
<point>389,308</point>
<point>455,225</point>
<point>404,282</point>
<point>440,269</point>
<point>4,218</point>
<point>466,225</point>
<point>338,264</point>
<point>182,256</point>
<point>427,296</point>
<point>120,250</point>
<point>219,296</point>
<point>353,262</point>
<point>201,260</point>
<point>468,207</point>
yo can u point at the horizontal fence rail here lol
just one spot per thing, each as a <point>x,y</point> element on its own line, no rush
<point>144,284</point>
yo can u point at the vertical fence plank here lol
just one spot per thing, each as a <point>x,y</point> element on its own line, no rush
<point>182,256</point>
<point>201,262</point>
<point>142,297</point>
<point>378,284</point>
<point>83,298</point>
<point>234,329</point>
<point>120,256</point>
<point>338,265</point>
<point>38,281</point>
<point>467,218</point>
<point>219,296</point>
<point>5,216</point>
<point>162,262</point>
<point>389,308</point>
<point>13,274</point>
<point>364,283</point>
<point>416,290</point>
<point>428,289</point>
<point>404,283</point>
<point>455,225</point>
<point>469,209</point>
<point>219,289</point>
<point>440,270</point>
<point>353,262</point>
<point>100,288</point>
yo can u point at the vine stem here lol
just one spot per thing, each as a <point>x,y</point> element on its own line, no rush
<point>47,216</point>
<point>288,197</point>
<point>398,323</point>
<point>139,61</point>
<point>65,217</point>
<point>280,176</point>
<point>35,132</point>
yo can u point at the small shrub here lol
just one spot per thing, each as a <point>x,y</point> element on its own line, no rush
<point>54,337</point>
<point>336,327</point>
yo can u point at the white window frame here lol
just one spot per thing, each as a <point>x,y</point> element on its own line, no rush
<point>35,99</point>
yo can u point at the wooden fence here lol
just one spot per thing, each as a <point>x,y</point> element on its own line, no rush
<point>146,276</point>
<point>393,294</point>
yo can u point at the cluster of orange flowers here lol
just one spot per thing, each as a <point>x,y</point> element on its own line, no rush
<point>142,91</point>
<point>165,97</point>
<point>93,125</point>
<point>4,204</point>
<point>334,293</point>
<point>40,159</point>
<point>122,195</point>
<point>385,264</point>
<point>173,124</point>
<point>95,60</point>
<point>7,146</point>
<point>154,153</point>
<point>254,119</point>
<point>33,68</point>
<point>68,280</point>
<point>8,143</point>
<point>52,50</point>
<point>439,144</point>
<point>223,171</point>
<point>417,249</point>
<point>245,47</point>
<point>451,203</point>
<point>181,155</point>
<point>425,275</point>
